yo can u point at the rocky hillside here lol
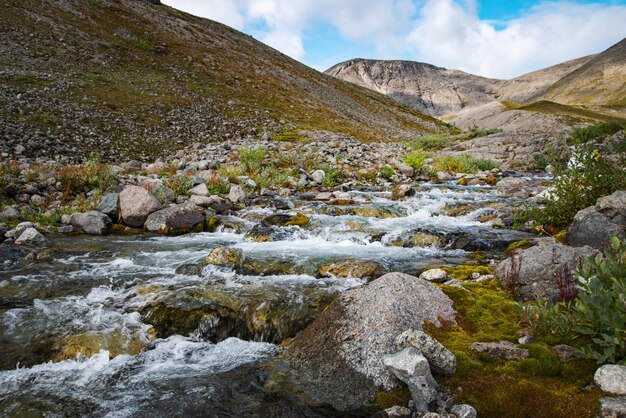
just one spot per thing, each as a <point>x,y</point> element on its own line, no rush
<point>595,80</point>
<point>600,81</point>
<point>134,79</point>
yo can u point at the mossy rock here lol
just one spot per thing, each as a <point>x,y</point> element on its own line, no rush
<point>358,269</point>
<point>298,220</point>
<point>88,344</point>
<point>519,245</point>
<point>464,272</point>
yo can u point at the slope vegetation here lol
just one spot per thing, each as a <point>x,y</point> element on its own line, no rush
<point>130,79</point>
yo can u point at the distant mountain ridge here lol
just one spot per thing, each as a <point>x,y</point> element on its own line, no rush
<point>595,80</point>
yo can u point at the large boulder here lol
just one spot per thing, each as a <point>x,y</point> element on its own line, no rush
<point>175,220</point>
<point>338,359</point>
<point>92,222</point>
<point>136,204</point>
<point>543,270</point>
<point>594,226</point>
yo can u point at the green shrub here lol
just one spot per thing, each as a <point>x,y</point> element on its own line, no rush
<point>577,185</point>
<point>89,176</point>
<point>430,142</point>
<point>180,185</point>
<point>415,159</point>
<point>594,321</point>
<point>476,132</point>
<point>386,173</point>
<point>43,218</point>
<point>464,164</point>
<point>589,133</point>
<point>252,158</point>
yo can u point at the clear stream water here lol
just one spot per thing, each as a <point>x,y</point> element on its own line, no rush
<point>100,290</point>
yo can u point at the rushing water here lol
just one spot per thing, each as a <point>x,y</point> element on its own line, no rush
<point>82,336</point>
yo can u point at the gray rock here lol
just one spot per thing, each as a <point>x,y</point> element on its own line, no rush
<point>464,411</point>
<point>398,412</point>
<point>512,182</point>
<point>65,229</point>
<point>564,352</point>
<point>236,194</point>
<point>318,176</point>
<point>109,205</point>
<point>337,360</point>
<point>435,275</point>
<point>19,229</point>
<point>611,378</point>
<point>175,220</point>
<point>594,226</point>
<point>504,349</point>
<point>441,360</point>
<point>200,190</point>
<point>31,236</point>
<point>202,201</point>
<point>136,204</point>
<point>92,222</point>
<point>613,407</point>
<point>543,270</point>
<point>405,170</point>
<point>190,269</point>
<point>10,214</point>
<point>411,367</point>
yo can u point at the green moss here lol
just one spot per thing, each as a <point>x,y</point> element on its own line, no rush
<point>539,386</point>
<point>465,271</point>
<point>523,244</point>
<point>212,223</point>
<point>400,396</point>
<point>298,220</point>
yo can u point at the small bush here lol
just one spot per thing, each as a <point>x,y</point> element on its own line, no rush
<point>416,159</point>
<point>386,173</point>
<point>464,164</point>
<point>476,132</point>
<point>578,185</point>
<point>230,172</point>
<point>43,218</point>
<point>589,133</point>
<point>218,185</point>
<point>252,158</point>
<point>89,176</point>
<point>429,143</point>
<point>180,185</point>
<point>594,321</point>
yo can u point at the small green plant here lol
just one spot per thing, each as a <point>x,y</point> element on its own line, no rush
<point>464,164</point>
<point>578,185</point>
<point>386,173</point>
<point>429,143</point>
<point>416,159</point>
<point>230,172</point>
<point>589,133</point>
<point>252,158</point>
<point>180,185</point>
<point>594,320</point>
<point>217,185</point>
<point>43,218</point>
<point>92,175</point>
<point>24,79</point>
<point>476,132</point>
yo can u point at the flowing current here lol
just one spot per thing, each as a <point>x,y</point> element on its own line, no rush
<point>109,328</point>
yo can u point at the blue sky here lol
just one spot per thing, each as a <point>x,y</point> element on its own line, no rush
<point>493,38</point>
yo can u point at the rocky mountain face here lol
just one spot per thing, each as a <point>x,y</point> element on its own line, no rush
<point>597,81</point>
<point>137,79</point>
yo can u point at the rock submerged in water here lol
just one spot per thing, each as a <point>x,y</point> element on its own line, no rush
<point>338,359</point>
<point>356,269</point>
<point>136,204</point>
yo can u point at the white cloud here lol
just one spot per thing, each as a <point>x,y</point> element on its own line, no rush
<point>451,35</point>
<point>442,32</point>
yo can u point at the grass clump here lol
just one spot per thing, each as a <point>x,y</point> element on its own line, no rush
<point>578,184</point>
<point>252,158</point>
<point>589,133</point>
<point>539,386</point>
<point>386,173</point>
<point>476,132</point>
<point>594,320</point>
<point>92,175</point>
<point>43,218</point>
<point>416,159</point>
<point>181,185</point>
<point>429,143</point>
<point>464,164</point>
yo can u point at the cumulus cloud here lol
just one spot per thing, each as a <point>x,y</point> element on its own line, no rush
<point>442,32</point>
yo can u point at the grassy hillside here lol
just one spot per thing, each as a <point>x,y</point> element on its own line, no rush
<point>129,79</point>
